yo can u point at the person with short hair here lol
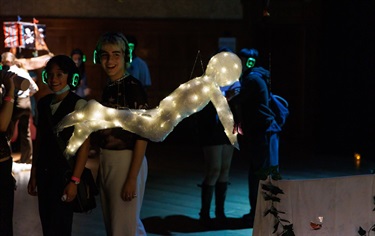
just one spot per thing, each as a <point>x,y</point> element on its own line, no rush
<point>51,177</point>
<point>123,165</point>
<point>254,140</point>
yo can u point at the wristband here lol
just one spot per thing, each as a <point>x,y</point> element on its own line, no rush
<point>8,99</point>
<point>75,180</point>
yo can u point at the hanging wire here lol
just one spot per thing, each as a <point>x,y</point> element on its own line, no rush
<point>195,62</point>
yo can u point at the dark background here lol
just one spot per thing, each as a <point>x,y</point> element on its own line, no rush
<point>321,54</point>
<point>346,94</point>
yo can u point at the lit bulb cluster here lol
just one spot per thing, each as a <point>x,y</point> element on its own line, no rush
<point>155,124</point>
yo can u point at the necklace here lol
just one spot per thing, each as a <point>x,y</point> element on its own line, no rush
<point>112,83</point>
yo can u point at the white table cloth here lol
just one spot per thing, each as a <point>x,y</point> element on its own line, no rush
<point>345,203</point>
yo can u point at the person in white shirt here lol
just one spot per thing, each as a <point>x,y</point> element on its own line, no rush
<point>22,110</point>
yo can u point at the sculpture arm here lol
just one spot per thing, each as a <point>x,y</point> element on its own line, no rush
<point>225,115</point>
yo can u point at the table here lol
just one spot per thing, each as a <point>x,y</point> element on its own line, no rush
<point>345,203</point>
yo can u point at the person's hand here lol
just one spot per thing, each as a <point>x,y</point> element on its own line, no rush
<point>237,129</point>
<point>31,187</point>
<point>70,192</point>
<point>129,190</point>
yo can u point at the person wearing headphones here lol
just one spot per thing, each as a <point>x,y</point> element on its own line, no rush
<point>217,156</point>
<point>138,67</point>
<point>254,121</point>
<point>123,166</point>
<point>50,177</point>
<point>79,59</point>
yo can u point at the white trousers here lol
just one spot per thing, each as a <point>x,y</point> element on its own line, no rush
<point>121,218</point>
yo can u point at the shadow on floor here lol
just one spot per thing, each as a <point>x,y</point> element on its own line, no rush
<point>185,224</point>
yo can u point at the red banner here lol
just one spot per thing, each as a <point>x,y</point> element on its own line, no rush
<point>24,35</point>
<point>11,34</point>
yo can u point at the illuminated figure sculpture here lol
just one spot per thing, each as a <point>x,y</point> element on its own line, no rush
<point>155,124</point>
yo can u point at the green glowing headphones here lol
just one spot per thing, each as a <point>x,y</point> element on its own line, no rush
<point>109,37</point>
<point>250,62</point>
<point>79,52</point>
<point>67,65</point>
<point>251,55</point>
<point>73,80</point>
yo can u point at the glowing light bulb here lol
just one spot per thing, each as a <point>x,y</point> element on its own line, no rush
<point>80,115</point>
<point>357,159</point>
<point>205,89</point>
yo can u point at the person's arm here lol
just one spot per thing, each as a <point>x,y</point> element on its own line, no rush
<point>80,162</point>
<point>82,155</point>
<point>129,189</point>
<point>31,186</point>
<point>34,63</point>
<point>6,108</point>
<point>33,87</point>
<point>225,115</point>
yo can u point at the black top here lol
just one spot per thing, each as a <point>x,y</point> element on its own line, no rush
<point>124,93</point>
<point>210,129</point>
<point>254,98</point>
<point>48,151</point>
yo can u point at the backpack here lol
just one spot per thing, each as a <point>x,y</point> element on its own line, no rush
<point>279,106</point>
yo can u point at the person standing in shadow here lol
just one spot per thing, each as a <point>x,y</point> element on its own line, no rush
<point>255,120</point>
<point>218,152</point>
<point>138,67</point>
<point>51,177</point>
<point>7,183</point>
<point>79,59</point>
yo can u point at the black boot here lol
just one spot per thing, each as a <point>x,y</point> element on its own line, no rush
<point>220,195</point>
<point>207,192</point>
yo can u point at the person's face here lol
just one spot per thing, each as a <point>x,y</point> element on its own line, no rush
<point>77,59</point>
<point>112,60</point>
<point>56,79</point>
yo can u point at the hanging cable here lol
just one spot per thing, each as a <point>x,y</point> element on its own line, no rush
<point>195,62</point>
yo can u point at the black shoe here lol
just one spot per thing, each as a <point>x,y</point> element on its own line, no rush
<point>205,220</point>
<point>221,217</point>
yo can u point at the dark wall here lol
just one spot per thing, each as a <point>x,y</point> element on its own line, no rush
<point>347,84</point>
<point>168,46</point>
<point>321,57</point>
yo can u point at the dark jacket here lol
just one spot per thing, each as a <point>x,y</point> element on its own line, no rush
<point>49,152</point>
<point>254,114</point>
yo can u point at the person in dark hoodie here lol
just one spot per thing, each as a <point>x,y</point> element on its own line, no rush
<point>218,153</point>
<point>254,138</point>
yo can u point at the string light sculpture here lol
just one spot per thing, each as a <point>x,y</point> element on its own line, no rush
<point>155,124</point>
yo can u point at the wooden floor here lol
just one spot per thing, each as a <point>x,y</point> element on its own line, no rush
<point>172,198</point>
